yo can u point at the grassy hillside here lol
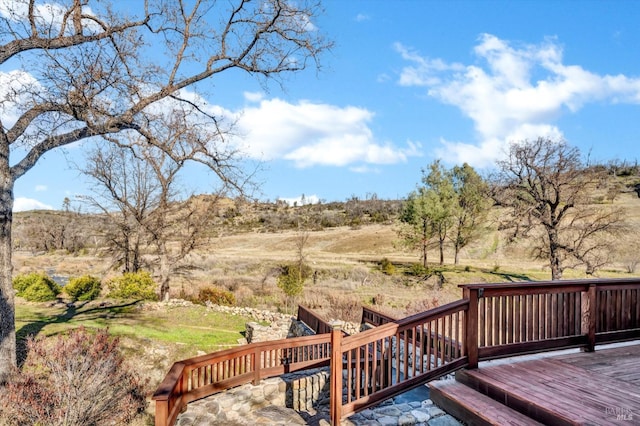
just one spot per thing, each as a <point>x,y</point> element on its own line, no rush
<point>243,253</point>
<point>246,245</point>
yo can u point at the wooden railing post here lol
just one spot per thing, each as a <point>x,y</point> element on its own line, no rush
<point>335,397</point>
<point>257,365</point>
<point>589,317</point>
<point>471,327</point>
<point>162,412</point>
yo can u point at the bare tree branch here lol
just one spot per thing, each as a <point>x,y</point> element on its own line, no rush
<point>547,191</point>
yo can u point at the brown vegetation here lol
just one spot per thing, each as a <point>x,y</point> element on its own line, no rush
<point>248,242</point>
<point>78,379</point>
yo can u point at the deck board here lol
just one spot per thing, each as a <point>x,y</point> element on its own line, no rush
<point>596,388</point>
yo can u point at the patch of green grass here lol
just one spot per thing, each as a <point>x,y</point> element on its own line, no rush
<point>193,326</point>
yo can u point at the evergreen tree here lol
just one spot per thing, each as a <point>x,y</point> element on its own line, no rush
<point>472,207</point>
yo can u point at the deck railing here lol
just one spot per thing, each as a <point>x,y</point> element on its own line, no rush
<point>313,320</point>
<point>196,378</point>
<point>491,321</point>
<point>394,357</point>
<point>517,318</point>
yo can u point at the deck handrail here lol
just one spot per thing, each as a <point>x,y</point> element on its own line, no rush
<point>515,318</point>
<point>394,357</point>
<point>313,320</point>
<point>492,320</point>
<point>195,378</point>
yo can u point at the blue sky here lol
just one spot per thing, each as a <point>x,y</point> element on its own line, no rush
<point>410,81</point>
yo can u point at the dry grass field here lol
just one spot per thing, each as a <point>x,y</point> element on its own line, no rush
<point>345,261</point>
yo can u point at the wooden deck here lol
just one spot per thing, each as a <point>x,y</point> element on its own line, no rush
<point>491,321</point>
<point>584,388</point>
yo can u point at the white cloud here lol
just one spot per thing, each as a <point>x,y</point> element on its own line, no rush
<point>41,188</point>
<point>22,204</point>
<point>360,17</point>
<point>312,134</point>
<point>48,16</point>
<point>253,96</point>
<point>304,132</point>
<point>365,169</point>
<point>512,92</point>
<point>15,87</point>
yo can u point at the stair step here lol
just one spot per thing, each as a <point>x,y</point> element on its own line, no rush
<point>519,396</point>
<point>474,408</point>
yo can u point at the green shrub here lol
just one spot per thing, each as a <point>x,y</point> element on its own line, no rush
<point>133,285</point>
<point>292,277</point>
<point>86,287</point>
<point>22,281</point>
<point>417,269</point>
<point>387,267</point>
<point>36,287</point>
<point>217,296</point>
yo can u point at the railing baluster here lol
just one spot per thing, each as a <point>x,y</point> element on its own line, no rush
<point>429,343</point>
<point>482,313</point>
<point>358,374</point>
<point>350,377</point>
<point>636,303</point>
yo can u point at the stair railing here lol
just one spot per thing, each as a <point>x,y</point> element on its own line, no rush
<point>491,321</point>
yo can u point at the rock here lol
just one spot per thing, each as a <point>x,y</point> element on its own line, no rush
<point>420,415</point>
<point>391,410</point>
<point>388,421</point>
<point>280,415</point>
<point>435,411</point>
<point>213,407</point>
<point>406,420</point>
<point>445,420</point>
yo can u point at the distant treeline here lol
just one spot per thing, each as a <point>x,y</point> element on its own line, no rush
<point>73,231</point>
<point>50,230</point>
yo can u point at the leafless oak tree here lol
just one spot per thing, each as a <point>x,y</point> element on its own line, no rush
<point>80,69</point>
<point>153,222</point>
<point>549,192</point>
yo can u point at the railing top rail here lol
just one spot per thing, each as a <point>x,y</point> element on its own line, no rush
<point>435,312</point>
<point>302,310</point>
<point>251,347</point>
<point>380,314</point>
<point>557,283</point>
<point>164,391</point>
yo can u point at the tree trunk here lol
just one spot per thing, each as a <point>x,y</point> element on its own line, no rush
<point>7,299</point>
<point>164,280</point>
<point>424,244</point>
<point>554,256</point>
<point>441,243</point>
<point>164,271</point>
<point>456,255</point>
<point>164,288</point>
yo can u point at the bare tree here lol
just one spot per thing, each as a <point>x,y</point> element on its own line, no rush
<point>294,275</point>
<point>125,192</point>
<point>155,223</point>
<point>80,69</point>
<point>546,187</point>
